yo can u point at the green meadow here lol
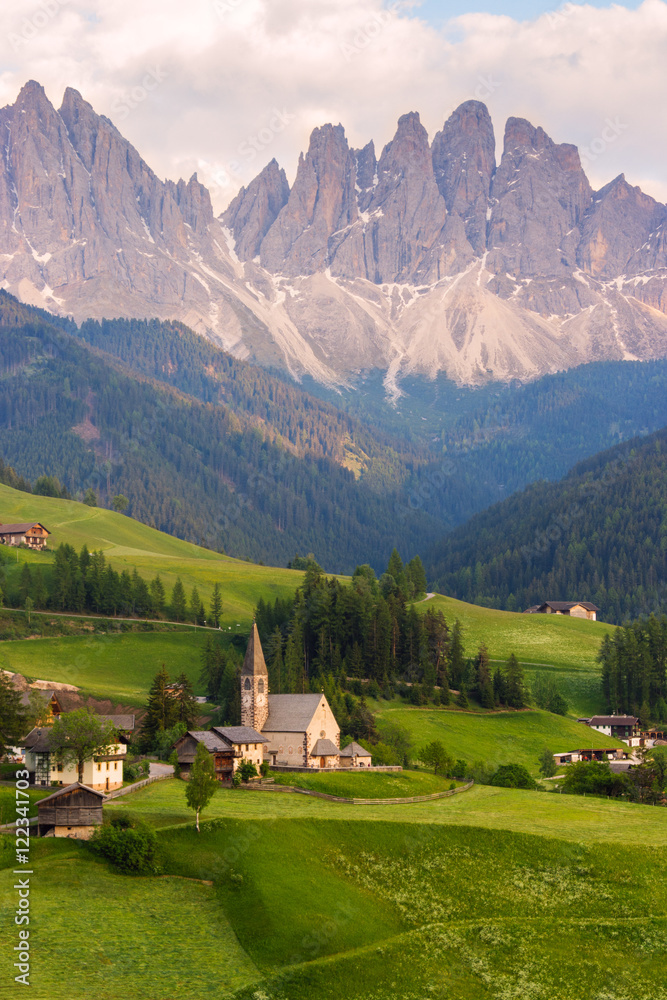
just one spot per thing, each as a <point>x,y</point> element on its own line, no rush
<point>128,544</point>
<point>118,667</point>
<point>489,895</point>
<point>494,737</point>
<point>374,785</point>
<point>566,648</point>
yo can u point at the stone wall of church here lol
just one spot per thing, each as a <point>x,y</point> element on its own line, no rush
<point>286,748</point>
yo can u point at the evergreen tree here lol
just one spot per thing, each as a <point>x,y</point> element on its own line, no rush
<point>276,666</point>
<point>40,593</point>
<point>484,688</point>
<point>216,605</point>
<point>178,603</point>
<point>157,596</point>
<point>196,607</point>
<point>161,709</point>
<point>26,583</point>
<point>13,717</point>
<point>187,710</point>
<point>417,576</point>
<point>456,656</point>
<point>515,684</point>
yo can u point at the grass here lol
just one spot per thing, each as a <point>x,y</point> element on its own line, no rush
<point>8,801</point>
<point>489,895</point>
<point>128,544</point>
<point>565,647</point>
<point>118,667</point>
<point>374,785</point>
<point>494,737</point>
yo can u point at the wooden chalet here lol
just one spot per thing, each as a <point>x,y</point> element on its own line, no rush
<point>229,745</point>
<point>30,533</point>
<point>52,709</point>
<point>72,812</point>
<point>573,609</point>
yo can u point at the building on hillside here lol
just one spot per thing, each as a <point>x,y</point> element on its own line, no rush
<point>51,709</point>
<point>229,745</point>
<point>354,755</point>
<point>300,729</point>
<point>30,533</point>
<point>573,609</point>
<point>622,727</point>
<point>103,773</point>
<point>574,756</point>
<point>72,812</point>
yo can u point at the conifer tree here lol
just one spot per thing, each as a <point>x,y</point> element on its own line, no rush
<point>216,605</point>
<point>178,603</point>
<point>187,710</point>
<point>157,596</point>
<point>161,709</point>
<point>514,683</point>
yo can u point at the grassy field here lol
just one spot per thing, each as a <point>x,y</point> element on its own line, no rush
<point>565,647</point>
<point>118,667</point>
<point>128,544</point>
<point>489,895</point>
<point>8,801</point>
<point>374,785</point>
<point>494,737</point>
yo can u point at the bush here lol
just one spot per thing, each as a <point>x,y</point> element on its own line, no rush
<point>247,770</point>
<point>264,769</point>
<point>129,847</point>
<point>460,769</point>
<point>512,776</point>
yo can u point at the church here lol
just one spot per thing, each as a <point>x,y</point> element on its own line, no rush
<point>300,729</point>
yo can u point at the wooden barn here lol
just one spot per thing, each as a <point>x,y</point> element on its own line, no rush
<point>30,533</point>
<point>72,812</point>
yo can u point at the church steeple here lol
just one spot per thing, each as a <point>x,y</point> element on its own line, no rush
<point>254,684</point>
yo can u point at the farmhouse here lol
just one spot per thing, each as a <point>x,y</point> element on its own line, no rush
<point>104,773</point>
<point>30,533</point>
<point>621,726</point>
<point>354,755</point>
<point>229,745</point>
<point>573,609</point>
<point>574,756</point>
<point>72,812</point>
<point>300,729</point>
<point>51,708</point>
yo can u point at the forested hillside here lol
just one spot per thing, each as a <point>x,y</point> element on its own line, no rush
<point>599,535</point>
<point>200,471</point>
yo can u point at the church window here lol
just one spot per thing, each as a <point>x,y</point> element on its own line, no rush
<point>247,684</point>
<point>291,750</point>
<point>260,686</point>
<point>280,749</point>
<point>322,733</point>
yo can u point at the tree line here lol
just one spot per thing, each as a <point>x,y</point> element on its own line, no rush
<point>634,675</point>
<point>85,581</point>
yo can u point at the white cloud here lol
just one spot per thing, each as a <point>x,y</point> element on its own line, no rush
<point>227,67</point>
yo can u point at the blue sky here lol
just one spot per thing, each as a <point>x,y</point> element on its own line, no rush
<point>437,11</point>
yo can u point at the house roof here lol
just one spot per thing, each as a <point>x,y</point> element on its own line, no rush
<point>209,738</point>
<point>291,713</point>
<point>37,740</point>
<point>17,529</point>
<point>240,734</point>
<point>120,721</point>
<point>568,605</point>
<point>44,695</point>
<point>613,720</point>
<point>325,748</point>
<point>254,664</point>
<point>70,788</point>
<point>533,611</point>
<point>354,750</point>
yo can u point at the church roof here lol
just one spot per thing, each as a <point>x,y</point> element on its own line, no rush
<point>291,713</point>
<point>254,664</point>
<point>324,748</point>
<point>354,750</point>
<point>240,734</point>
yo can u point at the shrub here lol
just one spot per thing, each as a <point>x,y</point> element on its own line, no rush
<point>247,770</point>
<point>512,776</point>
<point>130,847</point>
<point>264,769</point>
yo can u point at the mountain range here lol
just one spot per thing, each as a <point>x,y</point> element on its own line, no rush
<point>429,258</point>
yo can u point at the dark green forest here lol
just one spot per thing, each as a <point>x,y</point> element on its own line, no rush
<point>598,535</point>
<point>634,673</point>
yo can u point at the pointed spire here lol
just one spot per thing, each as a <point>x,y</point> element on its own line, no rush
<point>254,664</point>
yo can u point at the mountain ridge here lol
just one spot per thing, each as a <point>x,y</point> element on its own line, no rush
<point>429,258</point>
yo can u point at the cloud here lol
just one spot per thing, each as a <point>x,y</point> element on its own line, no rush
<point>222,86</point>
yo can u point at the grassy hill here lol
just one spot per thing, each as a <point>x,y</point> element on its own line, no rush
<point>128,543</point>
<point>478,897</point>
<point>494,737</point>
<point>566,648</point>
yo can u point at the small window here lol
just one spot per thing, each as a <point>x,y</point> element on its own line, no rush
<point>115,766</point>
<point>260,686</point>
<point>247,684</point>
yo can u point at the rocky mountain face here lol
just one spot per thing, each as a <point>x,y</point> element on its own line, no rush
<point>430,258</point>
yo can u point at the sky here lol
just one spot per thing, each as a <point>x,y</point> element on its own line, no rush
<point>220,87</point>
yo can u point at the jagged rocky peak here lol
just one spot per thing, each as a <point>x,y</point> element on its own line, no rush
<point>255,208</point>
<point>621,219</point>
<point>540,196</point>
<point>321,202</point>
<point>464,161</point>
<point>367,165</point>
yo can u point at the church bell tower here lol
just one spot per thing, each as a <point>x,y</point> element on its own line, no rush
<point>254,685</point>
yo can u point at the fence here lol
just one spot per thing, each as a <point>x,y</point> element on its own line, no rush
<point>136,786</point>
